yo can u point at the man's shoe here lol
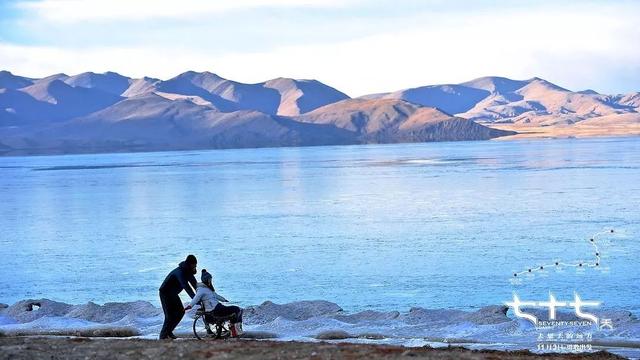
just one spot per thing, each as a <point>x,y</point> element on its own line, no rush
<point>173,337</point>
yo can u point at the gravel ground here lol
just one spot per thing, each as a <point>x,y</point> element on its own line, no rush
<point>42,347</point>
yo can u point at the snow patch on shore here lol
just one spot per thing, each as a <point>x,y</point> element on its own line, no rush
<point>489,326</point>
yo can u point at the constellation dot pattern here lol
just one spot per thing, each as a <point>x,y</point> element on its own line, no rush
<point>595,263</point>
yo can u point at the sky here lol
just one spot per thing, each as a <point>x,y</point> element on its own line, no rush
<point>357,46</point>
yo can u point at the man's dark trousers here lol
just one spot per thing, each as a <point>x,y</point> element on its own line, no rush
<point>173,313</point>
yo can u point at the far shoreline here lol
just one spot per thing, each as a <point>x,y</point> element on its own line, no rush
<point>575,131</point>
<point>524,133</point>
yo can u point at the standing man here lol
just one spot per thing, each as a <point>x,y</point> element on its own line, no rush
<point>181,278</point>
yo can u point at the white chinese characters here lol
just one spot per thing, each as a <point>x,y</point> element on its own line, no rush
<point>552,305</point>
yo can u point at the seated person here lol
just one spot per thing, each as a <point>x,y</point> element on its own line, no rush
<point>206,294</point>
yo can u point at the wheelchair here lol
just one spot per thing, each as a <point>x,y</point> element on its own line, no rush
<point>208,326</point>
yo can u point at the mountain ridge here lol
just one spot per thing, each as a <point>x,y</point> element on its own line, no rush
<point>77,113</point>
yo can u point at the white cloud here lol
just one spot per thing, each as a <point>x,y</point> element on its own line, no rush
<point>577,49</point>
<point>517,44</point>
<point>68,11</point>
<point>38,61</point>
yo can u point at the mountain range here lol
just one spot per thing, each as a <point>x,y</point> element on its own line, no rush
<point>109,112</point>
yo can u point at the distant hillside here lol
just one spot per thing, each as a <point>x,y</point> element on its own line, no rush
<point>390,120</point>
<point>93,112</point>
<point>535,101</point>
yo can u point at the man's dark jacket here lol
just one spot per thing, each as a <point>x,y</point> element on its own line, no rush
<point>178,280</point>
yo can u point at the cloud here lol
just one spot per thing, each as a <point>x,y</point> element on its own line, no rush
<point>70,11</point>
<point>39,61</point>
<point>590,47</point>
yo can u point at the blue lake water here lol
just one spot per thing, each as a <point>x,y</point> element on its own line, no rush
<point>381,227</point>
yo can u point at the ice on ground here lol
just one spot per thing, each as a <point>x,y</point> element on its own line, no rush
<point>111,312</point>
<point>30,310</point>
<point>368,315</point>
<point>487,327</point>
<point>486,315</point>
<point>299,310</point>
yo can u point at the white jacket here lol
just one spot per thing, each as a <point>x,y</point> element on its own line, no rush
<point>207,296</point>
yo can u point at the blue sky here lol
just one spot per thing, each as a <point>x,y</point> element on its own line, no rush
<point>356,46</point>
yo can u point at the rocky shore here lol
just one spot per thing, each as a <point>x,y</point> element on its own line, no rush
<point>35,324</point>
<point>35,347</point>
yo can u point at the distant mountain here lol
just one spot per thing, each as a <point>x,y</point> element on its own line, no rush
<point>391,120</point>
<point>152,122</point>
<point>19,108</point>
<point>453,99</point>
<point>58,76</point>
<point>498,99</point>
<point>93,112</point>
<point>277,97</point>
<point>50,100</point>
<point>588,92</point>
<point>67,101</point>
<point>202,85</point>
<point>301,96</point>
<point>632,100</point>
<point>10,81</point>
<point>108,82</point>
<point>140,86</point>
<point>565,105</point>
<point>495,84</point>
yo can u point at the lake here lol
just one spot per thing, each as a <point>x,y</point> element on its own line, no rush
<point>382,227</point>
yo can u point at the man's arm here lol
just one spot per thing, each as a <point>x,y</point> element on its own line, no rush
<point>185,284</point>
<point>192,281</point>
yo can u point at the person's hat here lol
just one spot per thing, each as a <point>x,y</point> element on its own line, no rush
<point>191,259</point>
<point>205,277</point>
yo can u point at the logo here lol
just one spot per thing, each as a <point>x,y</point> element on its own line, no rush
<point>552,304</point>
<point>554,332</point>
<point>562,335</point>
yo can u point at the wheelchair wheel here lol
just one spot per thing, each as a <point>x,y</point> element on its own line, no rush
<point>203,330</point>
<point>223,330</point>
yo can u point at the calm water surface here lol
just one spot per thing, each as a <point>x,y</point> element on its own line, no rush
<point>368,227</point>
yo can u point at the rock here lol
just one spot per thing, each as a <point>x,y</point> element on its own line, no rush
<point>112,332</point>
<point>300,310</point>
<point>368,315</point>
<point>418,315</point>
<point>106,331</point>
<point>258,335</point>
<point>618,316</point>
<point>111,312</point>
<point>30,310</point>
<point>333,335</point>
<point>494,314</point>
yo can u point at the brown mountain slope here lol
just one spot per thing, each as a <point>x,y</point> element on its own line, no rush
<point>393,120</point>
<point>152,122</point>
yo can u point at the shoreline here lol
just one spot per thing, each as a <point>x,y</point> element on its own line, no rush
<point>575,131</point>
<point>524,133</point>
<point>29,347</point>
<point>488,328</point>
